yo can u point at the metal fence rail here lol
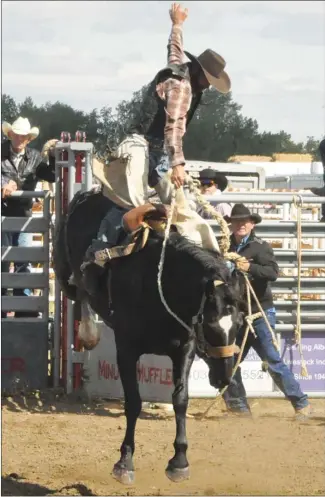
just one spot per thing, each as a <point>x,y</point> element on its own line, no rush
<point>265,198</point>
<point>25,340</point>
<point>282,229</point>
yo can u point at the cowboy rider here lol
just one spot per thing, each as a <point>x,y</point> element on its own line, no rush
<point>167,109</point>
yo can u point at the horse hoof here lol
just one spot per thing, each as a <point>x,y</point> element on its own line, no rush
<point>123,475</point>
<point>177,475</point>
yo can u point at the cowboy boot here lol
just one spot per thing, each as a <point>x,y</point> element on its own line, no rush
<point>92,269</point>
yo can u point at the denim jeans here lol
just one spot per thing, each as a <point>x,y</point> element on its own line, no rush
<point>158,165</point>
<point>111,226</point>
<point>235,395</point>
<point>17,240</point>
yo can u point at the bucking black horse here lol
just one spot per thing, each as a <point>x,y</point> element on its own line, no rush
<point>198,288</point>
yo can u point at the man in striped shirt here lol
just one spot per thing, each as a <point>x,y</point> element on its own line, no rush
<point>170,103</point>
<point>161,121</point>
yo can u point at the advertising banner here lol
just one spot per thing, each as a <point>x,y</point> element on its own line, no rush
<point>313,349</point>
<point>155,372</point>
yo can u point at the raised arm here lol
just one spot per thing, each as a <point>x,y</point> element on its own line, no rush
<point>175,42</point>
<point>177,95</point>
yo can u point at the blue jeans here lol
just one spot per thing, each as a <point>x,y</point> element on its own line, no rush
<point>235,395</point>
<point>111,226</point>
<point>158,165</point>
<point>17,240</point>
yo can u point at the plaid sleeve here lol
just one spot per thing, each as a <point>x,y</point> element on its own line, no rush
<point>178,95</point>
<point>175,45</point>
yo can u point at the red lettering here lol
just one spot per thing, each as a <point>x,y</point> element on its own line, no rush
<point>141,372</point>
<point>144,374</point>
<point>12,365</point>
<point>108,371</point>
<point>166,379</point>
<point>102,369</point>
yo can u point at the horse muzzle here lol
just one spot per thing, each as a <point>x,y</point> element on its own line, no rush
<point>220,373</point>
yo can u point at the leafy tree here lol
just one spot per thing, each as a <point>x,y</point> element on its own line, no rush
<point>217,131</point>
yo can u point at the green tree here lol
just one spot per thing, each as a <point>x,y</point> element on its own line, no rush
<point>9,109</point>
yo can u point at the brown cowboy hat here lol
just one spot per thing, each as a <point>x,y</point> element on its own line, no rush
<point>212,64</point>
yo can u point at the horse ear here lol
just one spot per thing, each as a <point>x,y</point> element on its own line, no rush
<point>218,282</point>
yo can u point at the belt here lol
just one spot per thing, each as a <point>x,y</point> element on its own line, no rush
<point>155,143</point>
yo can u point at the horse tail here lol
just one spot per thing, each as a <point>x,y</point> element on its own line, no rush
<point>61,263</point>
<point>61,252</point>
<point>89,331</point>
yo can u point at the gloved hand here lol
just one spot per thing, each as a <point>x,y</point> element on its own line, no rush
<point>242,264</point>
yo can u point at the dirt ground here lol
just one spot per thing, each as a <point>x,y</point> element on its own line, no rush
<point>64,447</point>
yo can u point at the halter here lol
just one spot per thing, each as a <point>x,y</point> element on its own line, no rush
<point>220,352</point>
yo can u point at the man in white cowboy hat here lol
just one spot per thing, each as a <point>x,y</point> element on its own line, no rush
<point>154,142</point>
<point>21,169</point>
<point>259,263</point>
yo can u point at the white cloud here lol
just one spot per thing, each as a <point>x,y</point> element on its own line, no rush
<point>91,54</point>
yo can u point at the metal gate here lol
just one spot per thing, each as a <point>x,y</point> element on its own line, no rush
<point>25,341</point>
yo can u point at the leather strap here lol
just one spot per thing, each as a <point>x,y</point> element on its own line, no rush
<point>102,256</point>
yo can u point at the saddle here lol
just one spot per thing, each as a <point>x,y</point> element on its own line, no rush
<point>138,222</point>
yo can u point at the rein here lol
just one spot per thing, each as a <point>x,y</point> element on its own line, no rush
<point>229,350</point>
<point>197,320</point>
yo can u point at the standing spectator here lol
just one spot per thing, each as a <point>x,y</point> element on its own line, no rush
<point>261,267</point>
<point>321,191</point>
<point>212,183</point>
<point>21,169</point>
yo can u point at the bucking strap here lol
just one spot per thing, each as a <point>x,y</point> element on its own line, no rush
<point>102,256</point>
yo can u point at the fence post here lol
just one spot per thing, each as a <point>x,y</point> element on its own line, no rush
<point>70,173</point>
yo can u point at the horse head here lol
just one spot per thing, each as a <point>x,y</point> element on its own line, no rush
<point>217,325</point>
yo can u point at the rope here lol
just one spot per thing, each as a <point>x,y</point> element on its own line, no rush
<point>249,328</point>
<point>162,261</point>
<point>298,203</point>
<point>232,256</point>
<point>224,243</point>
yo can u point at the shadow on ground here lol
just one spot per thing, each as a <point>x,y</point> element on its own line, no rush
<point>14,484</point>
<point>55,401</point>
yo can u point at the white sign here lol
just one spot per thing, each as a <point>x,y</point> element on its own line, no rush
<point>155,374</point>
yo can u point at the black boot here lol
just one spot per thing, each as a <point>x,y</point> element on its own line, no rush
<point>91,271</point>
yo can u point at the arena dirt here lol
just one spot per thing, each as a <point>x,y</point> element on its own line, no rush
<point>63,447</point>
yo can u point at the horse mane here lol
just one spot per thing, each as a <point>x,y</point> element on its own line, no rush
<point>211,262</point>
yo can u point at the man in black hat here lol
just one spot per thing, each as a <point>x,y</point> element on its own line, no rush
<point>213,183</point>
<point>321,191</point>
<point>261,267</point>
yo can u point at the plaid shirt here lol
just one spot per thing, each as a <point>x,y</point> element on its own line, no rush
<point>178,96</point>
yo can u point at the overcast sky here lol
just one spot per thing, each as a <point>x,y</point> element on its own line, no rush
<point>90,54</point>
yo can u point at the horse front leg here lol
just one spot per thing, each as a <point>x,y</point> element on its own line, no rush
<point>178,467</point>
<point>123,470</point>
